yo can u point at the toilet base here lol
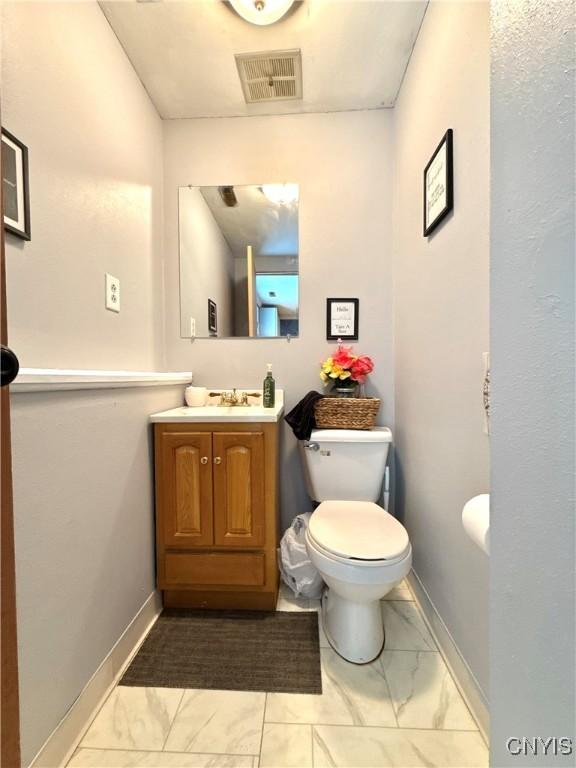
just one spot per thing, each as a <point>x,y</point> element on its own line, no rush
<point>354,630</point>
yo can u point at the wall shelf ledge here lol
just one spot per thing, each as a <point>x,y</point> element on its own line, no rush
<point>58,379</point>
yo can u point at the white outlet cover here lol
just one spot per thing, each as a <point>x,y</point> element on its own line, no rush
<point>112,293</point>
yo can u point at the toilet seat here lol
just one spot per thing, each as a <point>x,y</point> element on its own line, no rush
<point>358,532</point>
<point>362,565</point>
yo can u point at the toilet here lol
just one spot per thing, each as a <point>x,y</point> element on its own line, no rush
<point>359,548</point>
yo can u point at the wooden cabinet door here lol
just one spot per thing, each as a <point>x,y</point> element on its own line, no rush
<point>186,493</point>
<point>239,509</point>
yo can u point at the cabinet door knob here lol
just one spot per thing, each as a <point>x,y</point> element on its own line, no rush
<point>217,460</point>
<point>204,460</point>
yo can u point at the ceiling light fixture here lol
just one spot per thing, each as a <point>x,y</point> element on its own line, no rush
<point>261,12</point>
<point>281,194</point>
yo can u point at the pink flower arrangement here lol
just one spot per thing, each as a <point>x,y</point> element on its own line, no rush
<point>345,365</point>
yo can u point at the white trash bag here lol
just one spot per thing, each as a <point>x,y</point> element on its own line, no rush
<point>295,566</point>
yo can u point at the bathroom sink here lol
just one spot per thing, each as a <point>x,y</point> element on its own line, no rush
<point>219,413</point>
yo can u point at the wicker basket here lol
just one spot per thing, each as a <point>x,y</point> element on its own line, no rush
<point>346,412</point>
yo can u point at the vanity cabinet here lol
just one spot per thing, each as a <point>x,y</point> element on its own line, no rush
<point>216,514</point>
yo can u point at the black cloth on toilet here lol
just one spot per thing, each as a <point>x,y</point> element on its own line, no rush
<point>301,417</point>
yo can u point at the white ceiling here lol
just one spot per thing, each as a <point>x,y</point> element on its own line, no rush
<point>285,288</point>
<point>354,53</point>
<point>272,230</point>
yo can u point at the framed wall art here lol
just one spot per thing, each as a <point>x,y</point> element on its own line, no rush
<point>212,318</point>
<point>15,186</point>
<point>439,184</point>
<point>342,317</point>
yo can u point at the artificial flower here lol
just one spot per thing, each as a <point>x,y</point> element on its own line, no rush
<point>361,367</point>
<point>344,364</point>
<point>344,357</point>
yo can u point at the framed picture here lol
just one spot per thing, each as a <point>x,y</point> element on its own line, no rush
<point>212,318</point>
<point>439,185</point>
<point>342,319</point>
<point>15,186</point>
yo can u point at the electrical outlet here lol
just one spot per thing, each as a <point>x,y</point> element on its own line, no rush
<point>112,293</point>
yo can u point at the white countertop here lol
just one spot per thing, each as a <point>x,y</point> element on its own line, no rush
<point>216,413</point>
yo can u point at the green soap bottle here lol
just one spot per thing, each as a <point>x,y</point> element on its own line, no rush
<point>269,389</point>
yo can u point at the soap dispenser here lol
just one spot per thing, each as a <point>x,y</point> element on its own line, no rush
<point>269,389</point>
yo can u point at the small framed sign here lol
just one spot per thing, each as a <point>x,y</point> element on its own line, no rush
<point>15,186</point>
<point>212,318</point>
<point>342,319</point>
<point>439,185</point>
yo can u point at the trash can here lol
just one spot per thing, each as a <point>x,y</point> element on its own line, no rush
<point>295,566</point>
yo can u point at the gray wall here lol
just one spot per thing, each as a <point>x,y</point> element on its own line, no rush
<point>343,163</point>
<point>441,320</point>
<point>84,530</point>
<point>95,142</point>
<point>206,266</point>
<point>82,468</point>
<point>533,329</point>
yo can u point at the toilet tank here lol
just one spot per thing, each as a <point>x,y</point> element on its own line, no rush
<point>346,464</point>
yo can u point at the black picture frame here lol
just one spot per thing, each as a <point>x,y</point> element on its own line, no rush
<point>333,333</point>
<point>442,186</point>
<point>15,186</point>
<point>212,318</point>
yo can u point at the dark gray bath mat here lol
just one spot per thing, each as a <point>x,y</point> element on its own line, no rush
<point>230,650</point>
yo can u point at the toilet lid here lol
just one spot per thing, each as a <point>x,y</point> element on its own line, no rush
<point>358,530</point>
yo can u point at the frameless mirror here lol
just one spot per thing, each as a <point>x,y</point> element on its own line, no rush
<point>238,261</point>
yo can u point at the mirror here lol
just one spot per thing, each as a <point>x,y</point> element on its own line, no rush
<point>238,261</point>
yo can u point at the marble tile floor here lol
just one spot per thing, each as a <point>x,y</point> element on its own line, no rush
<point>402,710</point>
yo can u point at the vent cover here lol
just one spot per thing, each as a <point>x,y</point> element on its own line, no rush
<point>270,76</point>
<point>228,196</point>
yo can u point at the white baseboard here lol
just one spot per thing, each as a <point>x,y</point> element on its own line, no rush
<point>62,742</point>
<point>461,672</point>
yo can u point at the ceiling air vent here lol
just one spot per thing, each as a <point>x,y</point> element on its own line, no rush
<point>270,76</point>
<point>228,196</point>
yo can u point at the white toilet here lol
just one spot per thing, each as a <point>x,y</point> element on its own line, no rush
<point>361,551</point>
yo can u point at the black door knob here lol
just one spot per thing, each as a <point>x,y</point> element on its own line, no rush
<point>9,367</point>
